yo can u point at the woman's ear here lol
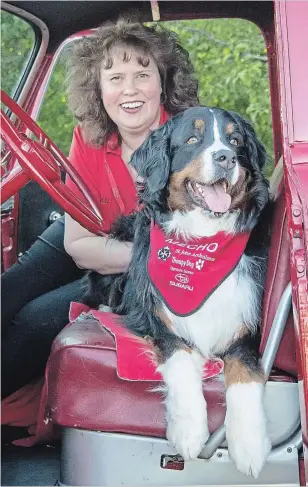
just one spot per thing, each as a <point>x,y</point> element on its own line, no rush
<point>152,159</point>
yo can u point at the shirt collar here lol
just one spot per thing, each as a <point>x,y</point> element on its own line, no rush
<point>113,145</point>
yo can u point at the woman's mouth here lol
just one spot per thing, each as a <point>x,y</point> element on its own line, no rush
<point>132,106</point>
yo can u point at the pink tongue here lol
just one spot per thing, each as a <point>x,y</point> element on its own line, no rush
<point>216,198</point>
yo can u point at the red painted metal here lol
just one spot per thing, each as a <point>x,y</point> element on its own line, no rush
<point>9,233</point>
<point>269,35</point>
<point>302,478</point>
<point>35,93</point>
<point>15,179</point>
<point>291,25</point>
<point>8,241</point>
<point>42,161</point>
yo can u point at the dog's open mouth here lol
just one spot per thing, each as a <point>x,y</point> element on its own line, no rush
<point>213,197</point>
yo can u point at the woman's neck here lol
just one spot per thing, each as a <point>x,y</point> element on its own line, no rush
<point>131,140</point>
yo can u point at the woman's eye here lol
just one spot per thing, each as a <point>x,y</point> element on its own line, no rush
<point>192,140</point>
<point>143,75</point>
<point>115,78</point>
<point>234,141</point>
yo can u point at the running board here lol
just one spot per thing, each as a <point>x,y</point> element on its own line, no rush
<point>94,458</point>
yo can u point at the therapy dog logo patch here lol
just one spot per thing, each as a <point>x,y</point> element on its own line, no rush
<point>199,264</point>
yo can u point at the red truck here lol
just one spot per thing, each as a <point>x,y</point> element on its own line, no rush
<point>118,437</point>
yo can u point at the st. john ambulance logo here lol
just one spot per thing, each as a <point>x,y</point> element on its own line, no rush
<point>164,253</point>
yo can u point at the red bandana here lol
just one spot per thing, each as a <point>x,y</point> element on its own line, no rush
<point>186,273</point>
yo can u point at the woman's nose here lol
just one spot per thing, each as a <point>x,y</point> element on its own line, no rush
<point>130,87</point>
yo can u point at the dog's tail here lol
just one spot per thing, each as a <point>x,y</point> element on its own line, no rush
<point>276,180</point>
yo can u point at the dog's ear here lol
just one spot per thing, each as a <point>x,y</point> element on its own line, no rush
<point>152,159</point>
<point>256,150</point>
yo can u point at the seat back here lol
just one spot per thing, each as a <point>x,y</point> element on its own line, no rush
<point>278,276</point>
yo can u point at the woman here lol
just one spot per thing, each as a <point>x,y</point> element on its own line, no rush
<point>125,80</point>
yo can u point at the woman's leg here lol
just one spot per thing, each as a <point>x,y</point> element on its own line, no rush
<point>26,345</point>
<point>44,267</point>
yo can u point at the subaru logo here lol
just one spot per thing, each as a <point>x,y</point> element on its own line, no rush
<point>181,278</point>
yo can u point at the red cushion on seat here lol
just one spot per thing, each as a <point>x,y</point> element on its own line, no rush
<point>278,276</point>
<point>85,392</point>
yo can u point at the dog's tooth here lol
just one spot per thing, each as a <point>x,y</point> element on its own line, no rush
<point>224,185</point>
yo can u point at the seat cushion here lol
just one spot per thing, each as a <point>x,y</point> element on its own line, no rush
<point>278,276</point>
<point>85,392</point>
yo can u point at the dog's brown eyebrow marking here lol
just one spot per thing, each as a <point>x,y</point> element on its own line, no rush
<point>230,128</point>
<point>200,124</point>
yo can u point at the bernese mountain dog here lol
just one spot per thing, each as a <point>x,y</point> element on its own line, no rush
<point>195,282</point>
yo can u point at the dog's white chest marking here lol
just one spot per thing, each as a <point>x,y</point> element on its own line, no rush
<point>232,305</point>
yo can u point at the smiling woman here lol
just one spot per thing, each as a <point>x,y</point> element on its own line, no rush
<point>125,81</point>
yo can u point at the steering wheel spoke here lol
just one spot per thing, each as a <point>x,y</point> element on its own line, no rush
<point>37,158</point>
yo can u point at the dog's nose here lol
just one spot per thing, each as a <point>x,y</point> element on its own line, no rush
<point>225,158</point>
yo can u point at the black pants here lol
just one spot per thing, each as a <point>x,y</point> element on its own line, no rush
<point>36,295</point>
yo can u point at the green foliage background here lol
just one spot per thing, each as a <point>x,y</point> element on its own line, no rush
<point>17,42</point>
<point>229,57</point>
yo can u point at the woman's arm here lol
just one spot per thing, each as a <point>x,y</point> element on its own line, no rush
<point>91,252</point>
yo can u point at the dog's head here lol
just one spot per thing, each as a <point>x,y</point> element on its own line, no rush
<point>207,158</point>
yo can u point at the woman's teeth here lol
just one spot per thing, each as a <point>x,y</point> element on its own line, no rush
<point>135,104</point>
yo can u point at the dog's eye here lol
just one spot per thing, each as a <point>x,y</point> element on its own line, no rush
<point>192,140</point>
<point>234,141</point>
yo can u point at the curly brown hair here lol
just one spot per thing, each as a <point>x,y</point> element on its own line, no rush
<point>87,55</point>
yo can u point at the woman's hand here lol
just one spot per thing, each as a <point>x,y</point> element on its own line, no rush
<point>91,252</point>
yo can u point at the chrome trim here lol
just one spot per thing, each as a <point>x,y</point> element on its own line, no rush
<point>277,330</point>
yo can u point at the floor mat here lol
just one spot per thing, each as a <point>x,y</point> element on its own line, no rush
<point>38,465</point>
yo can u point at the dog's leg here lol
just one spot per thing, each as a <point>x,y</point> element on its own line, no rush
<point>182,370</point>
<point>248,443</point>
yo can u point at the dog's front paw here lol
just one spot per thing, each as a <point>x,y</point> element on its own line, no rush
<point>248,442</point>
<point>249,450</point>
<point>186,408</point>
<point>188,431</point>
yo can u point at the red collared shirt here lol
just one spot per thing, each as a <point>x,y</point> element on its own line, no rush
<point>106,175</point>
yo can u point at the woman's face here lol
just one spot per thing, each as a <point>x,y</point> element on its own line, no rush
<point>131,92</point>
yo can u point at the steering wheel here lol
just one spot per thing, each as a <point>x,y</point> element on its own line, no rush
<point>27,154</point>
